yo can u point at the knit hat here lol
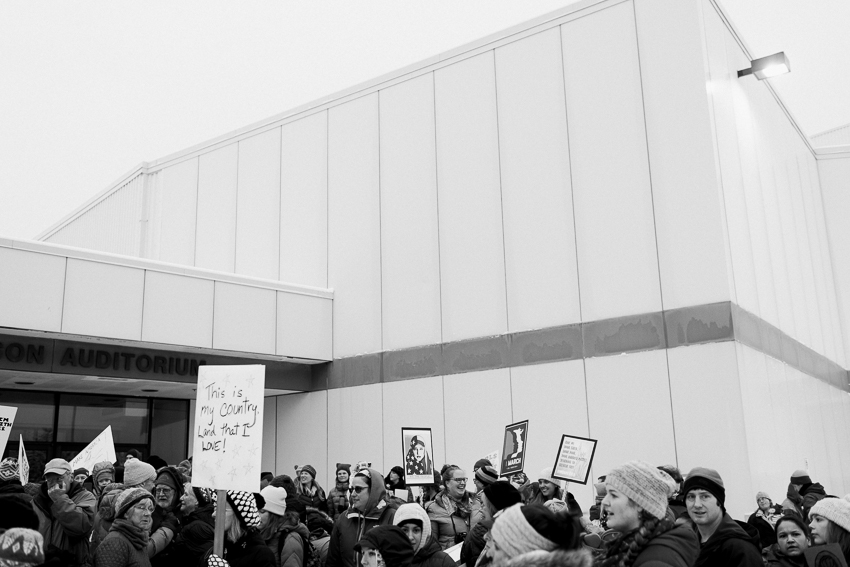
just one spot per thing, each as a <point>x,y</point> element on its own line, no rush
<point>644,484</point>
<point>137,472</point>
<point>361,465</point>
<point>413,512</point>
<point>480,463</point>
<point>707,479</point>
<point>308,469</point>
<point>21,547</point>
<point>800,476</point>
<point>343,467</point>
<point>513,533</point>
<point>165,478</point>
<point>761,495</point>
<point>9,469</point>
<point>129,498</point>
<point>486,475</point>
<point>81,470</point>
<point>502,494</point>
<point>245,506</point>
<point>215,561</point>
<point>275,498</point>
<point>836,510</point>
<point>556,505</point>
<point>102,469</point>
<point>391,541</point>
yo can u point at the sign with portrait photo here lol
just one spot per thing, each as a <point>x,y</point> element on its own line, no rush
<point>575,456</point>
<point>417,448</point>
<point>514,448</point>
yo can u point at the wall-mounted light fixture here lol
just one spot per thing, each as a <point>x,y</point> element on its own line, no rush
<point>767,67</point>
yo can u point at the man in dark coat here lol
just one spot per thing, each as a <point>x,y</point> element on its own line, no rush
<point>723,542</point>
<point>810,492</point>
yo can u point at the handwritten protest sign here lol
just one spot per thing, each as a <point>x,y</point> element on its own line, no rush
<point>23,463</point>
<point>228,431</point>
<point>7,418</point>
<point>514,450</point>
<point>101,449</point>
<point>575,456</point>
<point>493,457</point>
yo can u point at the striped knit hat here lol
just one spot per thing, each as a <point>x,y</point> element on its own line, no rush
<point>644,484</point>
<point>129,498</point>
<point>514,535</point>
<point>486,475</point>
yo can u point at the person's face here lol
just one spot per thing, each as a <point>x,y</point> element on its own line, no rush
<point>359,493</point>
<point>820,528</point>
<point>792,540</point>
<point>342,475</point>
<point>188,502</point>
<point>140,514</point>
<point>103,481</point>
<point>764,503</point>
<point>394,478</point>
<point>457,484</point>
<point>81,478</point>
<point>486,507</point>
<point>479,486</point>
<point>265,518</point>
<point>263,483</point>
<point>547,489</point>
<point>623,514</point>
<point>703,507</point>
<point>53,479</point>
<point>419,451</point>
<point>414,533</point>
<point>305,477</point>
<point>148,485</point>
<point>371,558</point>
<point>164,496</point>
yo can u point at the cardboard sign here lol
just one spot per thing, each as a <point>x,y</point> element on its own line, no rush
<point>829,555</point>
<point>101,449</point>
<point>7,418</point>
<point>228,431</point>
<point>493,457</point>
<point>417,449</point>
<point>514,448</point>
<point>574,458</point>
<point>23,463</point>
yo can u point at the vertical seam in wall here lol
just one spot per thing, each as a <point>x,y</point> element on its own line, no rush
<point>501,198</point>
<point>437,202</point>
<point>142,317</point>
<point>655,233</point>
<point>276,319</point>
<point>197,205</point>
<point>279,206</point>
<point>380,249</point>
<point>236,210</point>
<point>328,201</point>
<point>212,334</point>
<point>64,291</point>
<point>445,438</point>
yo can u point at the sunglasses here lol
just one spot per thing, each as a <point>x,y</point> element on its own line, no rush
<point>357,489</point>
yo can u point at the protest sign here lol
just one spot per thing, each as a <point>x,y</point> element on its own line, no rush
<point>574,458</point>
<point>493,457</point>
<point>228,431</point>
<point>23,463</point>
<point>417,448</point>
<point>514,449</point>
<point>7,418</point>
<point>101,449</point>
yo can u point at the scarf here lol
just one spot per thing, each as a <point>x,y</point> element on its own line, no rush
<point>137,536</point>
<point>418,467</point>
<point>461,507</point>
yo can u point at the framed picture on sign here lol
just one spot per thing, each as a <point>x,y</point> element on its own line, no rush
<point>575,455</point>
<point>417,448</point>
<point>514,448</point>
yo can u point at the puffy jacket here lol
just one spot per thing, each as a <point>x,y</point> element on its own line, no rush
<point>350,527</point>
<point>773,557</point>
<point>446,523</point>
<point>678,547</point>
<point>730,546</point>
<point>288,546</point>
<point>124,546</point>
<point>103,519</point>
<point>66,524</point>
<point>338,500</point>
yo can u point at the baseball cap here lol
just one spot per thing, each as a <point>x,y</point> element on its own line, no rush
<point>57,466</point>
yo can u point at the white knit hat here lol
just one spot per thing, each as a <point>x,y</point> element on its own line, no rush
<point>136,472</point>
<point>546,474</point>
<point>515,536</point>
<point>414,511</point>
<point>644,484</point>
<point>275,497</point>
<point>836,510</point>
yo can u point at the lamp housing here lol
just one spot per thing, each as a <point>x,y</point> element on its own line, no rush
<point>767,67</point>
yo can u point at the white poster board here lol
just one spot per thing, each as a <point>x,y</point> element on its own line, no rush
<point>101,449</point>
<point>7,418</point>
<point>494,457</point>
<point>23,463</point>
<point>575,455</point>
<point>228,434</point>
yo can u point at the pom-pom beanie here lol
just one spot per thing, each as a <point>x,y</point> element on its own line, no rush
<point>413,512</point>
<point>644,484</point>
<point>137,472</point>
<point>21,547</point>
<point>836,510</point>
<point>514,535</point>
<point>706,479</point>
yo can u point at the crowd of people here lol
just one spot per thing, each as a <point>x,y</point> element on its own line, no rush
<point>148,513</point>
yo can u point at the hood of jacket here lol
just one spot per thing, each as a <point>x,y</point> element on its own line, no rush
<point>106,508</point>
<point>681,539</point>
<point>730,529</point>
<point>414,511</point>
<point>813,488</point>
<point>377,500</point>
<point>177,477</point>
<point>427,547</point>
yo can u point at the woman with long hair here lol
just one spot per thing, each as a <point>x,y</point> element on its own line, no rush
<point>243,546</point>
<point>281,529</point>
<point>830,523</point>
<point>338,496</point>
<point>636,504</point>
<point>451,508</point>
<point>792,540</point>
<point>309,490</point>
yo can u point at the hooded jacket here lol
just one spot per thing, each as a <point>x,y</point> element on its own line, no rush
<point>428,553</point>
<point>66,524</point>
<point>729,546</point>
<point>98,470</point>
<point>103,518</point>
<point>678,547</point>
<point>350,526</point>
<point>811,494</point>
<point>249,551</point>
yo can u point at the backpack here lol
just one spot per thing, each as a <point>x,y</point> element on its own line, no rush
<point>310,556</point>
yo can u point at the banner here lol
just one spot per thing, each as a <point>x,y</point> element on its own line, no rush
<point>514,449</point>
<point>7,418</point>
<point>574,458</point>
<point>23,463</point>
<point>101,449</point>
<point>417,450</point>
<point>228,430</point>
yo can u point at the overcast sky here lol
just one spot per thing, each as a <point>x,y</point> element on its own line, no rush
<point>88,89</point>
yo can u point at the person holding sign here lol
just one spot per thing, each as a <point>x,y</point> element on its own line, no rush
<point>243,546</point>
<point>548,488</point>
<point>831,523</point>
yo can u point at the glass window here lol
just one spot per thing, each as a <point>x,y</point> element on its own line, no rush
<point>82,418</point>
<point>169,429</point>
<point>34,419</point>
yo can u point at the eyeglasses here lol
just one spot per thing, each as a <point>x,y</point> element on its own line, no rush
<point>163,490</point>
<point>144,507</point>
<point>357,489</point>
<point>459,480</point>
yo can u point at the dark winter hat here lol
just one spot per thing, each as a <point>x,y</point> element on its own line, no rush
<point>166,478</point>
<point>486,474</point>
<point>129,498</point>
<point>9,469</point>
<point>480,463</point>
<point>343,467</point>
<point>102,469</point>
<point>157,462</point>
<point>502,494</point>
<point>801,476</point>
<point>20,547</point>
<point>81,470</point>
<point>16,511</point>
<point>308,469</point>
<point>706,479</point>
<point>391,541</point>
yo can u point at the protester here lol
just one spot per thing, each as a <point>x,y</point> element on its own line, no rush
<point>547,488</point>
<point>764,519</point>
<point>830,523</point>
<point>485,475</point>
<point>723,542</point>
<point>810,492</point>
<point>65,512</point>
<point>243,546</point>
<point>16,509</point>
<point>395,481</point>
<point>385,546</point>
<point>636,504</point>
<point>282,531</point>
<point>127,541</point>
<point>369,508</point>
<point>21,547</point>
<point>495,498</point>
<point>196,537</point>
<point>595,511</point>
<point>81,474</point>
<point>168,490</point>
<point>676,503</point>
<point>104,516</point>
<point>451,509</point>
<point>308,489</point>
<point>102,473</point>
<point>139,474</point>
<point>793,540</point>
<point>338,496</point>
<point>414,521</point>
<point>265,479</point>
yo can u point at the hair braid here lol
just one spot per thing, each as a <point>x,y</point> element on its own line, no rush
<point>625,550</point>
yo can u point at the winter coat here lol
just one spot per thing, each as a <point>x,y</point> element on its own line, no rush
<point>66,524</point>
<point>103,519</point>
<point>432,555</point>
<point>446,523</point>
<point>350,527</point>
<point>194,540</point>
<point>249,551</point>
<point>530,493</point>
<point>16,510</point>
<point>773,557</point>
<point>678,547</point>
<point>474,543</point>
<point>811,493</point>
<point>765,524</point>
<point>124,546</point>
<point>729,546</point>
<point>316,500</point>
<point>338,500</point>
<point>288,546</point>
